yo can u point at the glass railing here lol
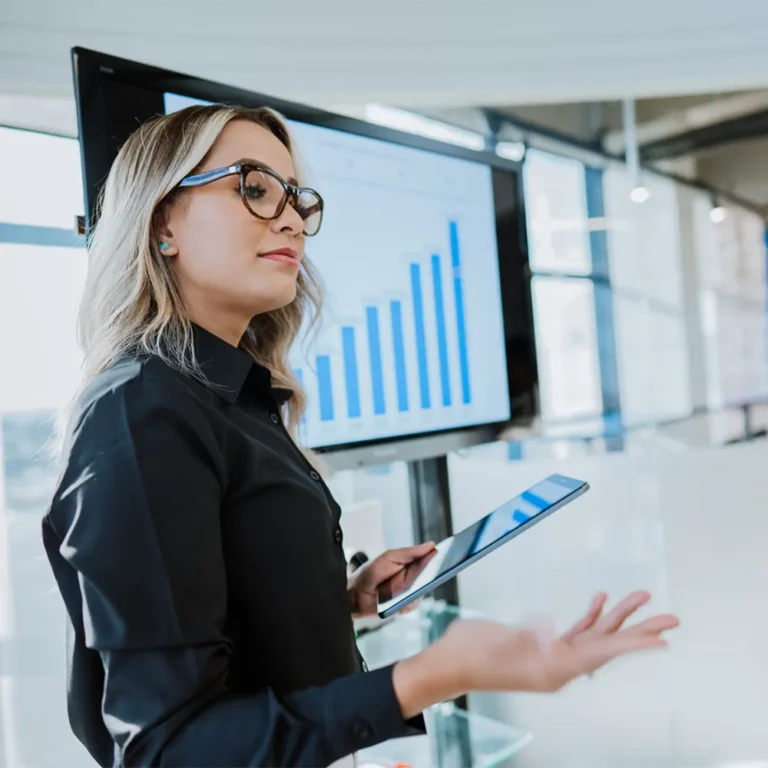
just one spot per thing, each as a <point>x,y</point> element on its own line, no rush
<point>456,738</point>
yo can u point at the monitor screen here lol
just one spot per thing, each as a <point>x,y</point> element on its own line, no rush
<point>413,338</point>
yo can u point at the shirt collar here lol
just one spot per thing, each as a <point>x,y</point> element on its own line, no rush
<point>230,370</point>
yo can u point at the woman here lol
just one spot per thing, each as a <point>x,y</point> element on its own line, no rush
<point>198,551</point>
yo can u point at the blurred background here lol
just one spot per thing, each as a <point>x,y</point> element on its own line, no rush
<point>639,136</point>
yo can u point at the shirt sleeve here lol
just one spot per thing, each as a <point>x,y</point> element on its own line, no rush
<point>138,516</point>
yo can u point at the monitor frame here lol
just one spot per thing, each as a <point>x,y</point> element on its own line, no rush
<point>97,76</point>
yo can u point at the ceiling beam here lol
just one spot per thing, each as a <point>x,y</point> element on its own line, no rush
<point>696,141</point>
<point>684,121</point>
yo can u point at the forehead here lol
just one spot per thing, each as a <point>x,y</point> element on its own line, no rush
<point>245,139</point>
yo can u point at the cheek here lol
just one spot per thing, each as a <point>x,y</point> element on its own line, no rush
<point>219,237</point>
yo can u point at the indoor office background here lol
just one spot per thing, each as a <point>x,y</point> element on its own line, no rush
<point>650,314</point>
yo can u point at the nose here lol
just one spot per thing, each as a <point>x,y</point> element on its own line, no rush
<point>289,220</point>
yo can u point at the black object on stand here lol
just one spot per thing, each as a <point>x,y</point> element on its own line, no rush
<point>432,521</point>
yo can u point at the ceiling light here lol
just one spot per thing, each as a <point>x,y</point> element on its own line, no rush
<point>718,214</point>
<point>639,194</point>
<point>403,120</point>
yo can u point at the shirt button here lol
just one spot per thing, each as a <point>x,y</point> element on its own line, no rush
<point>314,475</point>
<point>275,418</point>
<point>337,535</point>
<point>362,730</point>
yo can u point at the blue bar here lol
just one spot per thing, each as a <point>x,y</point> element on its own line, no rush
<point>534,500</point>
<point>520,517</point>
<point>324,387</point>
<point>396,311</point>
<point>442,340</point>
<point>374,351</point>
<point>515,450</point>
<point>350,371</point>
<point>421,336</point>
<point>299,374</point>
<point>461,326</point>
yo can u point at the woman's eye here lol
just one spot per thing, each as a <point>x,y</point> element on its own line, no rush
<point>254,192</point>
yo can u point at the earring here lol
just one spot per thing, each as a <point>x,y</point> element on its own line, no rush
<point>164,246</point>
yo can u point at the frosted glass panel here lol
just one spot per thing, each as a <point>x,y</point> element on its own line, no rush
<point>731,261</point>
<point>566,343</point>
<point>556,212</point>
<point>644,239</point>
<point>652,360</point>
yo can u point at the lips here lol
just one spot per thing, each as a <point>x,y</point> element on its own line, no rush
<point>283,255</point>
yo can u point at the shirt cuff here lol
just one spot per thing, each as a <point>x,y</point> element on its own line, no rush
<point>364,711</point>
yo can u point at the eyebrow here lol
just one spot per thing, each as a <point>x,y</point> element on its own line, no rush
<point>251,161</point>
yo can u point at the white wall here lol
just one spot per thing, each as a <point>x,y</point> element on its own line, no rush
<point>691,528</point>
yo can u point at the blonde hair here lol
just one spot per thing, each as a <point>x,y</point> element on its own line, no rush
<point>132,303</point>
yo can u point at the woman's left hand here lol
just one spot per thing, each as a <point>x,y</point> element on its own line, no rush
<point>399,567</point>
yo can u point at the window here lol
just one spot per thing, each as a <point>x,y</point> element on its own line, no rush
<point>42,272</point>
<point>645,258</point>
<point>566,345</point>
<point>556,210</point>
<point>40,184</point>
<point>731,260</point>
<point>571,328</point>
<point>40,288</point>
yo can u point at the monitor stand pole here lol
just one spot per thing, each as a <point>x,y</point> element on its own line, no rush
<point>431,514</point>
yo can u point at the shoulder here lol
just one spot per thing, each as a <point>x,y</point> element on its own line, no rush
<point>133,392</point>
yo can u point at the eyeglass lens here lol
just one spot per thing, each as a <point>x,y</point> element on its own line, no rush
<point>263,194</point>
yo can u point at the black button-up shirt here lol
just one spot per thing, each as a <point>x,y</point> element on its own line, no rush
<point>199,556</point>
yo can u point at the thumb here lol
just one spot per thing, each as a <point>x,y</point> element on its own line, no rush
<point>405,555</point>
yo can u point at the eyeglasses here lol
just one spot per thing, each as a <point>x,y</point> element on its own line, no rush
<point>265,194</point>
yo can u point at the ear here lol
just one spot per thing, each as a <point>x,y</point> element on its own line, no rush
<point>163,234</point>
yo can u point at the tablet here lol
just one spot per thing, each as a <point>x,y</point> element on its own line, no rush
<point>455,553</point>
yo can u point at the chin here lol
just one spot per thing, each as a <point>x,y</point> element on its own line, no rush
<point>277,299</point>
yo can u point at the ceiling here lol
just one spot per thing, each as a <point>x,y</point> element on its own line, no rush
<point>717,139</point>
<point>432,53</point>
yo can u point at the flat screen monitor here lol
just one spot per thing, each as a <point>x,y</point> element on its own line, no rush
<point>427,326</point>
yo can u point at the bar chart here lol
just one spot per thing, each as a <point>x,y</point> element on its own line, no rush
<point>412,338</point>
<point>344,372</point>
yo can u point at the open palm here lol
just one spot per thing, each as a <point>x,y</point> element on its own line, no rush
<point>535,659</point>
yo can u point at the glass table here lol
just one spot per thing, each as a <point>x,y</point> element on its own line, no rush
<point>456,737</point>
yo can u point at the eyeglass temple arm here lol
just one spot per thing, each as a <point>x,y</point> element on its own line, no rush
<point>199,179</point>
<point>312,209</point>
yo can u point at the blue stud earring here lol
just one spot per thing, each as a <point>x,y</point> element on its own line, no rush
<point>164,246</point>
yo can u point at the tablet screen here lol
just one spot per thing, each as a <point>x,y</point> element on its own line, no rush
<point>455,552</point>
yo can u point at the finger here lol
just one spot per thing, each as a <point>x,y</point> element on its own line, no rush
<point>597,654</point>
<point>621,645</point>
<point>589,619</point>
<point>653,626</point>
<point>406,555</point>
<point>392,562</point>
<point>613,620</point>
